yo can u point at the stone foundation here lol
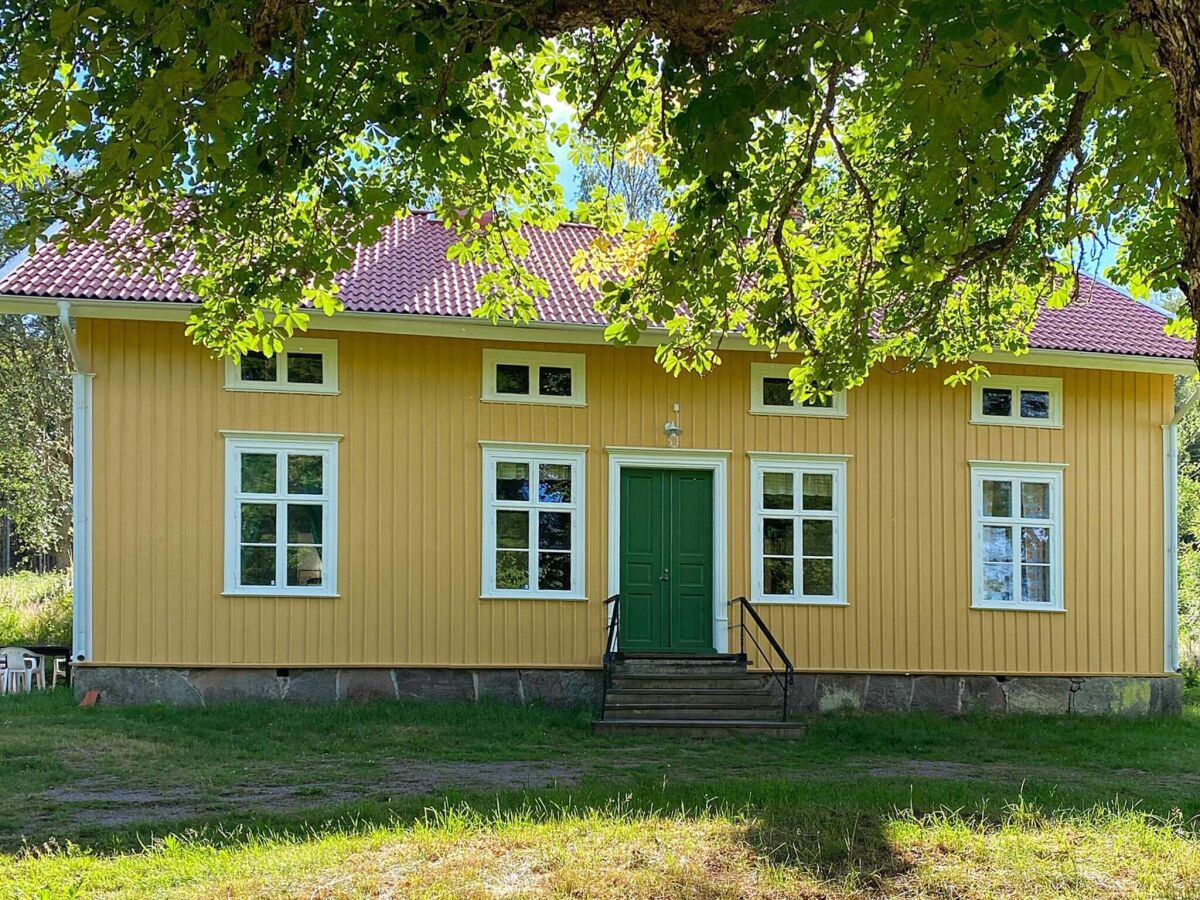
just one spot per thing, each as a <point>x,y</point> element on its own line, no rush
<point>811,693</point>
<point>124,685</point>
<point>962,694</point>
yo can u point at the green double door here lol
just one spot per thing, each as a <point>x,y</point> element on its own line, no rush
<point>666,560</point>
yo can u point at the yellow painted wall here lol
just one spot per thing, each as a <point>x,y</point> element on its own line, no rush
<point>410,509</point>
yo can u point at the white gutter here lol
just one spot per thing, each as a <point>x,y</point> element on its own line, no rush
<point>1171,533</point>
<point>81,492</point>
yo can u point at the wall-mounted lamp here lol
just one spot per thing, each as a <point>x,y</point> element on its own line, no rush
<point>672,429</point>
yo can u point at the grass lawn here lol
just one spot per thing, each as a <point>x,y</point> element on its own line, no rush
<point>408,799</point>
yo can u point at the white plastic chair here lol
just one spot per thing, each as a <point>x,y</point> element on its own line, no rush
<point>19,669</point>
<point>60,671</point>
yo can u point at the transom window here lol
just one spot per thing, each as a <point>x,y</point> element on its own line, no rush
<point>281,515</point>
<point>526,376</point>
<point>1017,542</point>
<point>305,365</point>
<point>1017,400</point>
<point>532,521</point>
<point>771,394</point>
<point>798,538</point>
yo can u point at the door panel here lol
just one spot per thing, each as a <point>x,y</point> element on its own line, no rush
<point>666,563</point>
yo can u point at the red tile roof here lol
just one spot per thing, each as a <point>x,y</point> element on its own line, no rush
<point>407,272</point>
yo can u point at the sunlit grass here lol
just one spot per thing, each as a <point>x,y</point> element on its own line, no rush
<point>615,852</point>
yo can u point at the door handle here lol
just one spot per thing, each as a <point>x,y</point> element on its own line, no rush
<point>665,576</point>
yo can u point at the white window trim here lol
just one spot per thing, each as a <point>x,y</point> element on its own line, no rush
<point>327,347</point>
<point>797,464</point>
<point>327,445</point>
<point>493,452</point>
<point>532,358</point>
<point>760,370</point>
<point>1017,383</point>
<point>1051,472</point>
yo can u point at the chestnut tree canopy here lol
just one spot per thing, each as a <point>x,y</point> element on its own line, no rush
<point>858,181</point>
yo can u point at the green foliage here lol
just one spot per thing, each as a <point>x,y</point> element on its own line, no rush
<point>35,609</point>
<point>929,167</point>
<point>35,432</point>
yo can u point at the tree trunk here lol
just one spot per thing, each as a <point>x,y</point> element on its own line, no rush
<point>1176,24</point>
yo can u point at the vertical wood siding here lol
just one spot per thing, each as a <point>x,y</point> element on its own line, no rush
<point>410,510</point>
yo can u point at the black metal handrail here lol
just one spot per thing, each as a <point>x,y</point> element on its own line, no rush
<point>788,676</point>
<point>610,647</point>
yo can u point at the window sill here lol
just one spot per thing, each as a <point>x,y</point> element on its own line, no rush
<point>1015,423</point>
<point>281,595</point>
<point>801,413</point>
<point>786,601</point>
<point>525,595</point>
<point>1017,607</point>
<point>535,401</point>
<point>281,389</point>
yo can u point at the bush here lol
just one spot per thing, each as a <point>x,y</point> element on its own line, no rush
<point>35,609</point>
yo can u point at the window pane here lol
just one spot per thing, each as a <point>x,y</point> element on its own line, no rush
<point>1035,500</point>
<point>258,566</point>
<point>1035,584</point>
<point>512,379</point>
<point>777,392</point>
<point>997,543</point>
<point>554,531</point>
<point>305,368</point>
<point>258,523</point>
<point>304,523</point>
<point>305,474</point>
<point>512,481</point>
<point>512,570</point>
<point>818,490</point>
<point>778,490</point>
<point>1035,404</point>
<point>997,402</point>
<point>997,583</point>
<point>818,577</point>
<point>778,578</point>
<point>818,537</point>
<point>554,483</point>
<point>512,528</point>
<point>779,537</point>
<point>256,367</point>
<point>997,499</point>
<point>554,381</point>
<point>554,571</point>
<point>304,566</point>
<point>258,473</point>
<point>825,402</point>
<point>1035,545</point>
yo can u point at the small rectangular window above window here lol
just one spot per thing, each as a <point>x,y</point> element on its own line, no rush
<point>1017,400</point>
<point>533,526</point>
<point>529,376</point>
<point>771,394</point>
<point>304,366</point>
<point>798,537</point>
<point>281,515</point>
<point>1016,555</point>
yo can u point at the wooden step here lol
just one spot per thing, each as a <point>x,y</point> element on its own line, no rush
<point>651,681</point>
<point>691,712</point>
<point>665,665</point>
<point>701,728</point>
<point>689,695</point>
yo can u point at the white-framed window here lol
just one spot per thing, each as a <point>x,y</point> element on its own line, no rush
<point>533,525</point>
<point>530,376</point>
<point>1017,540</point>
<point>304,366</point>
<point>1017,400</point>
<point>281,514</point>
<point>798,528</point>
<point>771,394</point>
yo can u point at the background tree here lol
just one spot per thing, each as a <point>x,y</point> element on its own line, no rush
<point>928,168</point>
<point>35,422</point>
<point>633,184</point>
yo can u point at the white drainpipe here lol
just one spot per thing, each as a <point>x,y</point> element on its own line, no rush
<point>1171,533</point>
<point>81,483</point>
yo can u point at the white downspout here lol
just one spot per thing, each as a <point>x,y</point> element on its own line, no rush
<point>1171,533</point>
<point>81,493</point>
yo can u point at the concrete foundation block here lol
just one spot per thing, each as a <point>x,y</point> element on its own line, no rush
<point>888,693</point>
<point>365,684</point>
<point>1112,697</point>
<point>838,692</point>
<point>311,686</point>
<point>937,693</point>
<point>562,687</point>
<point>135,685</point>
<point>227,685</point>
<point>434,684</point>
<point>1040,695</point>
<point>499,684</point>
<point>982,694</point>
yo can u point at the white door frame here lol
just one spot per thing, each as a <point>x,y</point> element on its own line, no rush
<point>715,461</point>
